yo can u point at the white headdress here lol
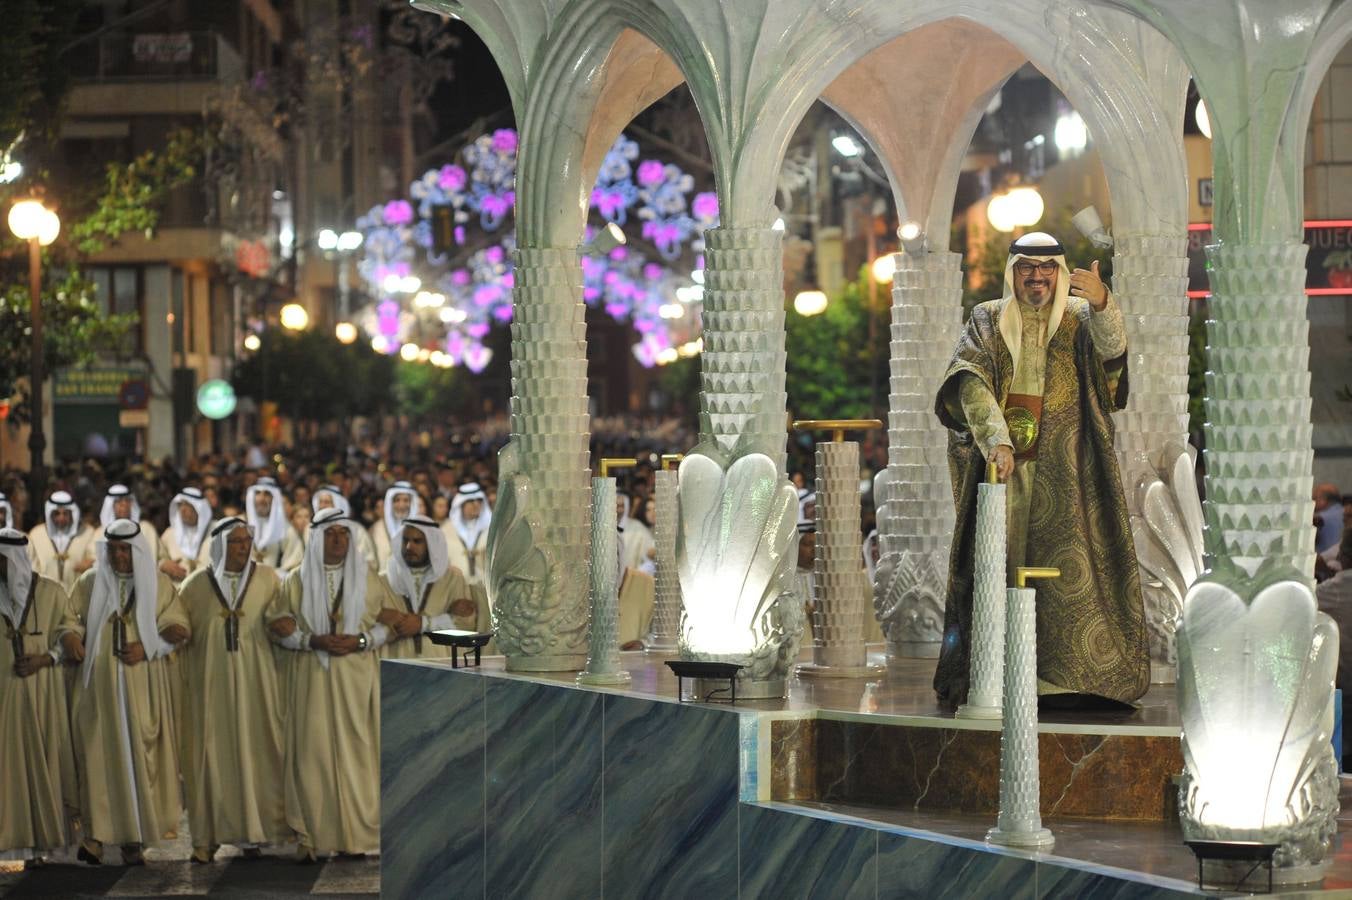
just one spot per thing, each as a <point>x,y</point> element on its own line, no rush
<point>392,522</point>
<point>401,577</point>
<point>115,493</point>
<point>339,501</point>
<point>870,542</point>
<point>220,533</point>
<point>469,531</point>
<point>315,605</point>
<point>14,549</point>
<point>1035,247</point>
<point>61,538</point>
<point>190,539</point>
<point>806,522</point>
<point>6,512</point>
<point>274,529</point>
<point>104,600</point>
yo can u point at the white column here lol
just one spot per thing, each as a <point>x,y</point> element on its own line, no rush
<point>603,661</point>
<point>667,609</point>
<point>842,584</point>
<point>541,528</point>
<point>1020,821</point>
<point>916,515</point>
<point>986,656</point>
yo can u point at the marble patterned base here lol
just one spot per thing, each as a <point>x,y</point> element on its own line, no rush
<point>505,785</point>
<point>1113,776</point>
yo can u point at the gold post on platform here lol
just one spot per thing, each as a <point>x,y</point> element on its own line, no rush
<point>992,473</point>
<point>670,460</point>
<point>616,462</point>
<point>1023,573</point>
<point>837,427</point>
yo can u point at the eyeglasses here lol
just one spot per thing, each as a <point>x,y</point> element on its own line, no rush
<point>1046,267</point>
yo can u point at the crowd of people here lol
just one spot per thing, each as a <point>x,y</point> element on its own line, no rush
<point>207,640</point>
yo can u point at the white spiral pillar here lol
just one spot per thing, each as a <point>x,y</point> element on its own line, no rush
<point>667,608</point>
<point>986,659</point>
<point>603,660</point>
<point>1020,821</point>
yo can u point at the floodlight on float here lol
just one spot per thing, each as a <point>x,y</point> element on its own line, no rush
<point>606,239</point>
<point>913,238</point>
<point>1088,223</point>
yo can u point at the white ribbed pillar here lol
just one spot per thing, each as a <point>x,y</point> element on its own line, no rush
<point>1150,280</point>
<point>1258,433</point>
<point>1020,821</point>
<point>916,515</point>
<point>538,592</point>
<point>987,660</point>
<point>603,657</point>
<point>842,584</point>
<point>667,608</point>
<point>742,364</point>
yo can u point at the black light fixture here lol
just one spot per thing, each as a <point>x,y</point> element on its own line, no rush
<point>1254,853</point>
<point>705,671</point>
<point>462,640</point>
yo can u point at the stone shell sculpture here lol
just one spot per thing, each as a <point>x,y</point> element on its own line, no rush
<point>735,551</point>
<point>1255,690</point>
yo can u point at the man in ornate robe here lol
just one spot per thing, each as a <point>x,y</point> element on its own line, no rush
<point>1031,387</point>
<point>327,614</point>
<point>276,543</point>
<point>62,546</point>
<point>184,548</point>
<point>36,764</point>
<point>123,619</point>
<point>426,593</point>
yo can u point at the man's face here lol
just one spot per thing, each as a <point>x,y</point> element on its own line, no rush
<point>470,510</point>
<point>415,548</point>
<point>188,514</point>
<point>238,546</point>
<point>119,556</point>
<point>619,506</point>
<point>325,500</point>
<point>336,540</point>
<point>263,504</point>
<point>1035,281</point>
<point>401,505</point>
<point>62,518</point>
<point>122,508</point>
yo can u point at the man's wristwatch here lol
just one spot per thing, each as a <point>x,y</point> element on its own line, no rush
<point>362,642</point>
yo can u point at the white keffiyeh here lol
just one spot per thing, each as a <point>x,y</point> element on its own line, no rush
<point>190,539</point>
<point>316,601</point>
<point>106,598</point>
<point>272,531</point>
<point>220,534</point>
<point>402,578</point>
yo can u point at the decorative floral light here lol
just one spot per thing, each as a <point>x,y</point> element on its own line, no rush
<point>472,292</point>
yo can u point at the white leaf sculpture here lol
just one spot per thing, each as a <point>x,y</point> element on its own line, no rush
<point>1255,692</point>
<point>737,539</point>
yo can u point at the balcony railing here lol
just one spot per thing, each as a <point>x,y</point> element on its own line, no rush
<point>159,56</point>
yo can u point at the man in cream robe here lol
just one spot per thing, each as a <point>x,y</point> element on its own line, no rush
<point>401,501</point>
<point>330,497</point>
<point>120,503</point>
<point>233,730</point>
<point>184,548</point>
<point>425,593</point>
<point>36,764</point>
<point>123,619</point>
<point>276,543</point>
<point>327,615</point>
<point>62,546</point>
<point>1033,383</point>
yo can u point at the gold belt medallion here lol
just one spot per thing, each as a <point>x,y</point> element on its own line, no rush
<point>1023,428</point>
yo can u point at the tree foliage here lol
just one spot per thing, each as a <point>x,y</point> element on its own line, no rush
<point>830,366</point>
<point>313,377</point>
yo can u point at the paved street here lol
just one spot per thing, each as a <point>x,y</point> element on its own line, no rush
<point>169,873</point>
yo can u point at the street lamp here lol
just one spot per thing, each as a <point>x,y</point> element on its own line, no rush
<point>294,317</point>
<point>32,222</point>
